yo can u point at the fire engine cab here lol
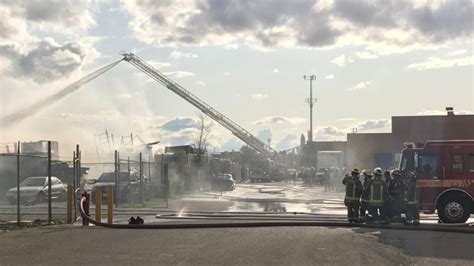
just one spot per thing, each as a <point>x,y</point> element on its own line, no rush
<point>445,177</point>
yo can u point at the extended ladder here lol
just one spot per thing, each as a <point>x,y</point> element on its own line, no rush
<point>236,130</point>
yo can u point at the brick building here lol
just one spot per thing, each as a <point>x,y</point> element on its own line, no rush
<point>369,150</point>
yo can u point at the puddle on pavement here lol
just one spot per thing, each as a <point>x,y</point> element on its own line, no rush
<point>270,207</point>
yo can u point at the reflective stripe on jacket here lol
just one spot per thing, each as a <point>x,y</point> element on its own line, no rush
<point>412,194</point>
<point>376,189</point>
<point>351,187</point>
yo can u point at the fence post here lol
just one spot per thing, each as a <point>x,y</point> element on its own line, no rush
<point>70,200</point>
<point>166,184</point>
<point>50,218</point>
<point>18,218</point>
<point>149,170</point>
<point>98,204</point>
<point>74,165</point>
<point>110,205</point>
<point>129,200</point>
<point>141,180</point>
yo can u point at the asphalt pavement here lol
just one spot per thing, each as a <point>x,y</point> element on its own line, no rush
<point>73,245</point>
<point>288,245</point>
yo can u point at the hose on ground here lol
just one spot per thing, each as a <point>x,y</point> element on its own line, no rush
<point>431,228</point>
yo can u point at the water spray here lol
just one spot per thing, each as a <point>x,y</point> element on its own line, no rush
<point>11,119</point>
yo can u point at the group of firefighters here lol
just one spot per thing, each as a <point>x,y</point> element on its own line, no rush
<point>381,197</point>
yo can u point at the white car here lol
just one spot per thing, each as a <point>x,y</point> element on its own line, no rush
<point>34,189</point>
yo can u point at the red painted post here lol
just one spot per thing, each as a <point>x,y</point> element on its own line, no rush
<point>85,206</point>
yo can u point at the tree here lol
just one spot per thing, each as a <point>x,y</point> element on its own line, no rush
<point>204,128</point>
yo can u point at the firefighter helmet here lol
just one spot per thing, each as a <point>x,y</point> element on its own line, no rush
<point>378,171</point>
<point>367,172</point>
<point>396,173</point>
<point>355,171</point>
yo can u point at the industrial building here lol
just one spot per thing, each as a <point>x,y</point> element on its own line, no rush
<point>369,150</point>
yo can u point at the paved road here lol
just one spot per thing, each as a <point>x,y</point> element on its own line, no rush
<point>71,245</point>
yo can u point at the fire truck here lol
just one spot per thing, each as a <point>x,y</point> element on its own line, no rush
<point>445,177</point>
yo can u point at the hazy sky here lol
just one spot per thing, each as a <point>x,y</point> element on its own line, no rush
<point>372,59</point>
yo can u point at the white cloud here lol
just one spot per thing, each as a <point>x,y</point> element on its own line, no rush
<point>330,76</point>
<point>180,55</point>
<point>46,61</point>
<point>342,60</point>
<point>279,120</point>
<point>366,55</point>
<point>226,73</point>
<point>158,65</point>
<point>290,141</point>
<point>435,62</point>
<point>360,85</point>
<point>124,96</point>
<point>259,96</point>
<point>329,133</point>
<point>231,46</point>
<point>303,23</point>
<point>457,52</point>
<point>64,17</point>
<point>276,70</point>
<point>373,124</point>
<point>200,83</point>
<point>179,74</point>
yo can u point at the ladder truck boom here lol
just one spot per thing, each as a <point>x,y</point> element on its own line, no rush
<point>236,130</point>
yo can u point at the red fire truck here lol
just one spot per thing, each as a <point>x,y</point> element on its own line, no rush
<point>445,176</point>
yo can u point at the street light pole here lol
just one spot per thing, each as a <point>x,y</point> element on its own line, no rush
<point>311,102</point>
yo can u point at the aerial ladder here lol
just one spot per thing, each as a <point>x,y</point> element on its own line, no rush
<point>236,130</point>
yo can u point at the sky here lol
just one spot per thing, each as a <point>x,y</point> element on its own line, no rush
<point>247,59</point>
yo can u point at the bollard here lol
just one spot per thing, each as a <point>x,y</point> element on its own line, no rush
<point>85,206</point>
<point>98,204</point>
<point>110,204</point>
<point>70,200</point>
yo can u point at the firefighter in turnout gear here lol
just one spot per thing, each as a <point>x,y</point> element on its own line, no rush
<point>364,199</point>
<point>377,192</point>
<point>353,192</point>
<point>411,201</point>
<point>396,190</point>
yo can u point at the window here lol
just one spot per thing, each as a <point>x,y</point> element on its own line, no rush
<point>55,181</point>
<point>470,162</point>
<point>427,164</point>
<point>457,163</point>
<point>403,163</point>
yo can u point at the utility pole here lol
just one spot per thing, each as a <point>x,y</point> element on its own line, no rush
<point>311,102</point>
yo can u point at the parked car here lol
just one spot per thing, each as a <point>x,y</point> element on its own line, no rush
<point>34,189</point>
<point>223,182</point>
<point>129,184</point>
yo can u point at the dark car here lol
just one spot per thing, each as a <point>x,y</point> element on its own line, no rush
<point>129,184</point>
<point>223,182</point>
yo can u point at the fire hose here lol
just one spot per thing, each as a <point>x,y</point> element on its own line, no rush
<point>83,203</point>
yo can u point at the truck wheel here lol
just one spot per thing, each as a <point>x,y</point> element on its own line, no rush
<point>454,210</point>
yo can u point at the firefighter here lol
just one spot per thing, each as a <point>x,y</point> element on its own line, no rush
<point>364,198</point>
<point>353,192</point>
<point>377,192</point>
<point>387,176</point>
<point>327,179</point>
<point>396,190</point>
<point>412,194</point>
